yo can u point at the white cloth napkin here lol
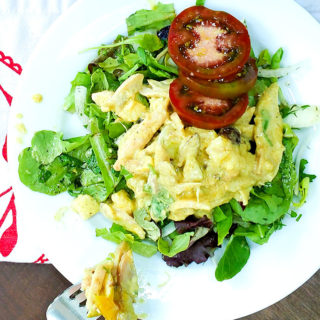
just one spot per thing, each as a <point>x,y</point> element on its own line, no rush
<point>22,23</point>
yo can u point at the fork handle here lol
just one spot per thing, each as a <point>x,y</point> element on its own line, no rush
<point>60,311</point>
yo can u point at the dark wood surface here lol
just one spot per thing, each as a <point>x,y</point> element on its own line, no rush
<point>26,290</point>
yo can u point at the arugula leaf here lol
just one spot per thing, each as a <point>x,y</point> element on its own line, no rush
<point>256,232</point>
<point>159,17</point>
<point>160,203</point>
<point>302,168</point>
<point>303,190</point>
<point>304,181</point>
<point>143,219</point>
<point>234,258</point>
<point>148,60</point>
<point>118,234</point>
<point>81,79</point>
<point>147,41</point>
<point>180,243</point>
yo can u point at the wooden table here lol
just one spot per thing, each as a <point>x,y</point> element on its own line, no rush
<point>26,290</point>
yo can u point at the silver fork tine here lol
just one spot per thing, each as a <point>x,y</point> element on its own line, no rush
<point>81,297</point>
<point>69,305</point>
<point>73,289</point>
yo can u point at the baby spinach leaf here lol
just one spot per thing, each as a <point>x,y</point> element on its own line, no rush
<point>234,258</point>
<point>160,16</point>
<point>50,179</point>
<point>271,201</point>
<point>223,222</point>
<point>180,243</point>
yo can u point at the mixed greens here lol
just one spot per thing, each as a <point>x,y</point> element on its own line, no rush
<point>84,165</point>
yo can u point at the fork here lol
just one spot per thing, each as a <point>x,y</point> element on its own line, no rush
<point>69,305</point>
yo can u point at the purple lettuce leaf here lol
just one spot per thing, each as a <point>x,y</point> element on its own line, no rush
<point>191,223</point>
<point>198,252</point>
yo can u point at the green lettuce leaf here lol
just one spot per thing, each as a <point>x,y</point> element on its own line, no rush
<point>118,234</point>
<point>81,79</point>
<point>47,145</point>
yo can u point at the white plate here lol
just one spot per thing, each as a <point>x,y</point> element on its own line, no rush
<point>274,270</point>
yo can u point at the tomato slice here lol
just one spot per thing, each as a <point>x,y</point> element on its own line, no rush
<point>202,111</point>
<point>208,44</point>
<point>229,87</point>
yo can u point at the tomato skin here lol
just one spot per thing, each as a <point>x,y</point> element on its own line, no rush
<point>204,112</point>
<point>236,36</point>
<point>227,88</point>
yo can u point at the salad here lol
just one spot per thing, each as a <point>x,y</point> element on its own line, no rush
<point>189,144</point>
